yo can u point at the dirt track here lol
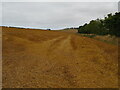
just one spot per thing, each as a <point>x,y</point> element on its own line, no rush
<point>35,58</point>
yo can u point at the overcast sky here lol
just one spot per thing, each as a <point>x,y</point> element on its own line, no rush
<point>54,15</point>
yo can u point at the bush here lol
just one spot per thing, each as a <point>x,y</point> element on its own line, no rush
<point>109,25</point>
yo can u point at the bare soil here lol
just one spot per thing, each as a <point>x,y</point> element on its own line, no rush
<point>53,59</point>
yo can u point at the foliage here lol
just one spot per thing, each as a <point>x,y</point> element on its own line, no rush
<point>112,22</point>
<point>109,25</point>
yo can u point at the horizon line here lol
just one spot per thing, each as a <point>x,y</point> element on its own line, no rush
<point>35,27</point>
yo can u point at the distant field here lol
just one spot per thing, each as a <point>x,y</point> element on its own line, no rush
<point>56,59</point>
<point>69,30</point>
<point>104,38</point>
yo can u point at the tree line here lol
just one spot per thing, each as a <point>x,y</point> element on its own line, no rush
<point>109,25</point>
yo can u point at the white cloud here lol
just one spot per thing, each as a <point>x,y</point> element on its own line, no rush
<point>0,13</point>
<point>54,15</point>
<point>59,0</point>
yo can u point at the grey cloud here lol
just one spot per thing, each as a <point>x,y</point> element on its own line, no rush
<point>54,15</point>
<point>0,13</point>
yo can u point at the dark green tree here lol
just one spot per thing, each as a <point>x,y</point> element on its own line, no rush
<point>112,22</point>
<point>109,25</point>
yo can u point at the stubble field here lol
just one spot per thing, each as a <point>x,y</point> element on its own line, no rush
<point>54,59</point>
